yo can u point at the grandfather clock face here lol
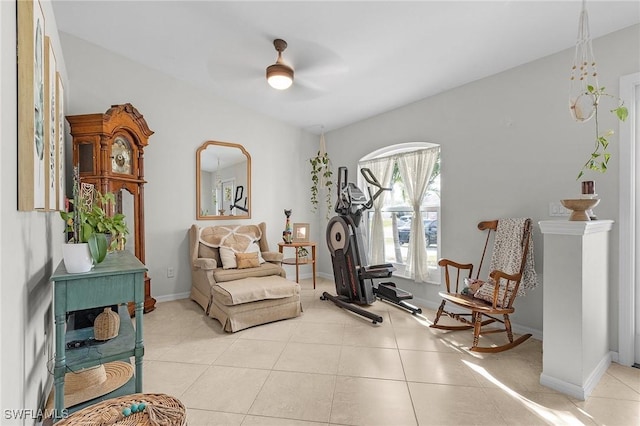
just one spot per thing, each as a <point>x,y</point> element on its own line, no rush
<point>121,155</point>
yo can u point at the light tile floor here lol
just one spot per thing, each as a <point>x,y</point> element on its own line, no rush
<point>331,367</point>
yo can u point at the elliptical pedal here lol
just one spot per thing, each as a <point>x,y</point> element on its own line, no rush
<point>390,291</point>
<point>392,294</point>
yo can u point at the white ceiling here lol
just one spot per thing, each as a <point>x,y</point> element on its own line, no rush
<point>352,60</point>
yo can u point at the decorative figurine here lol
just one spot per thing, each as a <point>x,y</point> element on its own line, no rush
<point>287,234</point>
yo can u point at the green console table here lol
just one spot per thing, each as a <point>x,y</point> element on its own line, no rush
<point>119,279</point>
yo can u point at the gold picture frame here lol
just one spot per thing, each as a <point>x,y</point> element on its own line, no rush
<point>32,171</point>
<point>301,232</point>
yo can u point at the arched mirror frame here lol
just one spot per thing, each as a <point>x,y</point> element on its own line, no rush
<point>199,214</point>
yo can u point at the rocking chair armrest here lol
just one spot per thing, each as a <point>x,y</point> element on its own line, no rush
<point>504,293</point>
<point>459,267</point>
<point>447,262</point>
<point>498,274</point>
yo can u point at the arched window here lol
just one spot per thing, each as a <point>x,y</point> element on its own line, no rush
<point>402,227</point>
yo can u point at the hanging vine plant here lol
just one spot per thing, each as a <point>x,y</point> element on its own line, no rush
<point>599,158</point>
<point>321,174</point>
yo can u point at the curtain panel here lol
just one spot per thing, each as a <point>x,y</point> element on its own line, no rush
<point>382,168</point>
<point>416,168</point>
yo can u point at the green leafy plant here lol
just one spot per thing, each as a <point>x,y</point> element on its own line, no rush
<point>302,252</point>
<point>599,158</point>
<point>101,222</point>
<point>89,222</point>
<point>321,168</point>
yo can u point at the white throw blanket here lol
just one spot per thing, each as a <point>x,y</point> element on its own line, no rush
<point>507,253</point>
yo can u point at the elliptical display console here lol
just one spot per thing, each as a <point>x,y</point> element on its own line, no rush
<point>353,277</point>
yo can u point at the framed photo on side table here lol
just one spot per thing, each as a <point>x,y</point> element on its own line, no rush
<point>300,232</point>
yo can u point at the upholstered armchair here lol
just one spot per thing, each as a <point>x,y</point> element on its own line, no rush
<point>232,267</point>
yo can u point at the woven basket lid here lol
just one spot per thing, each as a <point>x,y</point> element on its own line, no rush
<point>106,325</point>
<point>160,410</point>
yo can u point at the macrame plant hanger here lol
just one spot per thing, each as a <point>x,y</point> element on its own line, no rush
<point>582,99</point>
<point>321,152</point>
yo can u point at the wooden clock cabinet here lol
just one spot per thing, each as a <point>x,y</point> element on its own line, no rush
<point>109,152</point>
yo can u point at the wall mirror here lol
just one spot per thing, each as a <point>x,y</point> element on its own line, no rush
<point>223,181</point>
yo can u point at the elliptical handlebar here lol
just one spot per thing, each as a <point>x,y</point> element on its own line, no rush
<point>346,204</point>
<point>343,200</point>
<point>371,179</point>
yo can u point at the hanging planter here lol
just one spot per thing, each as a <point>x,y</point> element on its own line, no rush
<point>585,96</point>
<point>321,174</point>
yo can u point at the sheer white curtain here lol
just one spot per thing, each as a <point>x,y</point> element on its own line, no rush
<point>416,168</point>
<point>382,168</point>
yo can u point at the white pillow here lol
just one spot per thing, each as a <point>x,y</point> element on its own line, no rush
<point>228,258</point>
<point>254,247</point>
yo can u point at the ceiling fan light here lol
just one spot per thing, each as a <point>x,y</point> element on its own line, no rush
<point>279,76</point>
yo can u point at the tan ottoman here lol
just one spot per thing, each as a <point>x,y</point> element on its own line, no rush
<point>247,302</point>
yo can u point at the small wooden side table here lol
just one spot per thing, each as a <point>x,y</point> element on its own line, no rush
<point>297,261</point>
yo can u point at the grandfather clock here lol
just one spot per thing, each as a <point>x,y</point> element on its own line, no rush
<point>109,151</point>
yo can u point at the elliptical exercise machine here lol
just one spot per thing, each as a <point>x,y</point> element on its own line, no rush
<point>354,279</point>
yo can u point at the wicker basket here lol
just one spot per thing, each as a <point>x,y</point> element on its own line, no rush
<point>106,325</point>
<point>160,410</point>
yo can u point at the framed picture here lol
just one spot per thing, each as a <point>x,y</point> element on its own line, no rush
<point>32,170</point>
<point>60,145</point>
<point>300,232</point>
<point>50,127</point>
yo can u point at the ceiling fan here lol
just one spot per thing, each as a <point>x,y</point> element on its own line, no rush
<point>317,68</point>
<point>280,75</point>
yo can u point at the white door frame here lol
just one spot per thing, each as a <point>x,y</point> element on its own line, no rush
<point>627,219</point>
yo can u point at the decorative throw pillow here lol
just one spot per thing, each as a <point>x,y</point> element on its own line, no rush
<point>228,258</point>
<point>485,292</point>
<point>247,260</point>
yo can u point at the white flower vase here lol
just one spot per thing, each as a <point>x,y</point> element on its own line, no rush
<point>77,258</point>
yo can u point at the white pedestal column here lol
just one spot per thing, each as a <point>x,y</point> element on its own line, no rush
<point>575,311</point>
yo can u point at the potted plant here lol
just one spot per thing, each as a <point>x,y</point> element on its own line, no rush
<point>302,254</point>
<point>88,223</point>
<point>321,171</point>
<point>599,158</point>
<point>84,246</point>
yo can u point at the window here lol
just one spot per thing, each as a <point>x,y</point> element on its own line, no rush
<point>412,171</point>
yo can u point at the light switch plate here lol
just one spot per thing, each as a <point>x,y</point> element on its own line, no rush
<point>557,209</point>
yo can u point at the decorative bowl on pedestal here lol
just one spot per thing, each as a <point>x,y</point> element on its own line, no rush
<point>579,207</point>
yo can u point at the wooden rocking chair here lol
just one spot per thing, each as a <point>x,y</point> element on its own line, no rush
<point>495,299</point>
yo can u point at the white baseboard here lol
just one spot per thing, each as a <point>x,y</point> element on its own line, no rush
<point>576,391</point>
<point>171,297</point>
<point>615,357</point>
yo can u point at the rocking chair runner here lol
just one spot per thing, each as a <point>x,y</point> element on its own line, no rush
<point>496,297</point>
